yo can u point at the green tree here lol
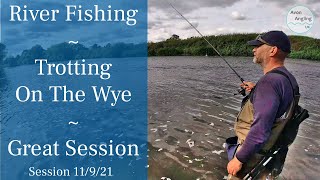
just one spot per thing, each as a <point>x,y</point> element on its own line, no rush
<point>12,61</point>
<point>65,51</point>
<point>28,56</point>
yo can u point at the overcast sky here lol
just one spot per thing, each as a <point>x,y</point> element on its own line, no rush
<point>19,36</point>
<point>213,17</point>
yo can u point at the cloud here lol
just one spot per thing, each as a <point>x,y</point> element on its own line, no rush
<point>164,20</point>
<point>162,34</point>
<point>189,6</point>
<point>312,1</point>
<point>316,12</point>
<point>238,16</point>
<point>154,24</point>
<point>283,3</point>
<point>288,3</point>
<point>188,26</point>
<point>13,41</point>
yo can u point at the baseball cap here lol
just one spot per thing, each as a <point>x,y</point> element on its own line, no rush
<point>273,38</point>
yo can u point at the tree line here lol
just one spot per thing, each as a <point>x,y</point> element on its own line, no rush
<point>229,45</point>
<point>65,51</point>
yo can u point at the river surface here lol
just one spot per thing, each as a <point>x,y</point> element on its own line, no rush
<point>192,108</point>
<point>81,122</point>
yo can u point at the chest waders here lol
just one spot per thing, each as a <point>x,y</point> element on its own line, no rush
<point>283,133</point>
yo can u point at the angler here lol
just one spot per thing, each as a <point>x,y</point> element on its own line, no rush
<point>270,116</point>
<point>266,112</point>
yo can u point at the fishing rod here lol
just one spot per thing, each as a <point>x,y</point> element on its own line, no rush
<point>242,91</point>
<point>255,172</point>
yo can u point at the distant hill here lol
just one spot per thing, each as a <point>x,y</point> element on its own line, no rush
<point>229,45</point>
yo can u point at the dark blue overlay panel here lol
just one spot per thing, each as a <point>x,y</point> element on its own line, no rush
<point>74,89</point>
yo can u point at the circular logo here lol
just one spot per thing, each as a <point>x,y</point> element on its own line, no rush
<point>300,19</point>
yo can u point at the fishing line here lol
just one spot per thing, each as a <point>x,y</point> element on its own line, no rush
<point>242,91</point>
<point>207,42</point>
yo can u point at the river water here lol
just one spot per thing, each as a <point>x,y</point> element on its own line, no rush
<point>192,106</point>
<point>94,122</point>
<point>191,109</point>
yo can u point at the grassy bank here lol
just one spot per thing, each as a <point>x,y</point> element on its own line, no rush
<point>230,45</point>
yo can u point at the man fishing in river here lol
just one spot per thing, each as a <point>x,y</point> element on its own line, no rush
<point>270,115</point>
<point>260,120</point>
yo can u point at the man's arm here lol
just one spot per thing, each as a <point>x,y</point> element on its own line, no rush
<point>266,102</point>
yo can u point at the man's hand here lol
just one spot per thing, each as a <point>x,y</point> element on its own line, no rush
<point>247,85</point>
<point>234,166</point>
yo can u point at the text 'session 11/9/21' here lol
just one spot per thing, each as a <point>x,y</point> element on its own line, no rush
<point>89,171</point>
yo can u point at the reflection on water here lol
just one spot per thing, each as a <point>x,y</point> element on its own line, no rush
<point>3,79</point>
<point>191,109</point>
<point>47,122</point>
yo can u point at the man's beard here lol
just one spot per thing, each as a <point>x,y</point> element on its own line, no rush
<point>255,60</point>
